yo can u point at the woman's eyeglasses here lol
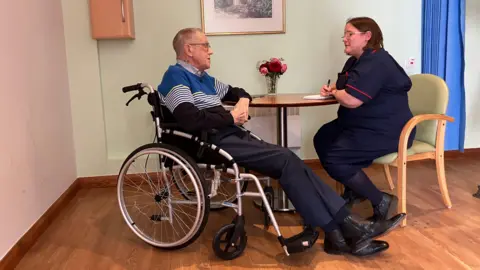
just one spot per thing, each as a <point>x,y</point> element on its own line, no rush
<point>348,35</point>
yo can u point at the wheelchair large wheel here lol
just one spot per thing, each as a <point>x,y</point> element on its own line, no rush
<point>150,202</point>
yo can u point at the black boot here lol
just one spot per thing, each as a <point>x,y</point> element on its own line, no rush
<point>386,208</point>
<point>334,243</point>
<point>359,233</point>
<point>351,198</point>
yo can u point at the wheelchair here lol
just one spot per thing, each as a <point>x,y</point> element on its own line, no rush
<point>167,188</point>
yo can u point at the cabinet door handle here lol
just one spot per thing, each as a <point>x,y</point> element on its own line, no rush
<point>123,10</point>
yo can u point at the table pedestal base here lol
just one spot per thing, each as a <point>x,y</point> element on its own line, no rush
<point>280,202</point>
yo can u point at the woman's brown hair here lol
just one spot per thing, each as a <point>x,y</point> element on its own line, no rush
<point>365,24</point>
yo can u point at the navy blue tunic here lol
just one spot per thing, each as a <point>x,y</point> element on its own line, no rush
<point>360,135</point>
<point>377,80</point>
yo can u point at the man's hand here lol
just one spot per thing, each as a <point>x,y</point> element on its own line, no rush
<point>239,117</point>
<point>242,106</point>
<point>240,111</point>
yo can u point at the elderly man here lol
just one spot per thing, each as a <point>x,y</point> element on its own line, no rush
<point>195,98</point>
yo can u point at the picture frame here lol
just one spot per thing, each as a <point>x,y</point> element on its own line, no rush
<point>243,17</point>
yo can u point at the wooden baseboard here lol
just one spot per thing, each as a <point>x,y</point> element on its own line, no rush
<point>98,181</point>
<point>453,154</point>
<point>16,253</point>
<point>111,180</point>
<point>107,181</point>
<point>457,154</point>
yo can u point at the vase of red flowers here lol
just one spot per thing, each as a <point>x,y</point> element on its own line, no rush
<point>272,70</point>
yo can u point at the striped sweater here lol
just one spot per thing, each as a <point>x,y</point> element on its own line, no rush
<point>195,99</point>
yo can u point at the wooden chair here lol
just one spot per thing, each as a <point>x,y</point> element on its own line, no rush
<point>428,101</point>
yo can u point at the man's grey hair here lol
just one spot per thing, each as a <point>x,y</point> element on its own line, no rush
<point>182,37</point>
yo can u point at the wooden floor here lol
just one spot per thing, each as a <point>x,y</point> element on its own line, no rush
<point>91,234</point>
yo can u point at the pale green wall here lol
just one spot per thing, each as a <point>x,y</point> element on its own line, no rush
<point>106,131</point>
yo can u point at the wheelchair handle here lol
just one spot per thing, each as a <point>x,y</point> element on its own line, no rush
<point>137,87</point>
<point>132,87</point>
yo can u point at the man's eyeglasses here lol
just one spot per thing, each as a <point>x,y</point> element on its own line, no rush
<point>205,45</point>
<point>348,35</point>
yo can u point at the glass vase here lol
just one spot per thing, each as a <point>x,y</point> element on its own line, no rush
<point>271,84</point>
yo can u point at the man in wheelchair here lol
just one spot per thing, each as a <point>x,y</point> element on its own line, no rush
<point>194,101</point>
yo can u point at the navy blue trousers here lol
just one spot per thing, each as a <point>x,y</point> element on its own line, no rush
<point>314,200</point>
<point>345,152</point>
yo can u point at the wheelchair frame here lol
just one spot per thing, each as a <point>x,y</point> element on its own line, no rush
<point>235,231</point>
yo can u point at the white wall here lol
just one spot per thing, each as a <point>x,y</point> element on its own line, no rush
<point>105,131</point>
<point>37,158</point>
<point>472,74</point>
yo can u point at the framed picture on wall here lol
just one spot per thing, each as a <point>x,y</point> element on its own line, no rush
<point>243,17</point>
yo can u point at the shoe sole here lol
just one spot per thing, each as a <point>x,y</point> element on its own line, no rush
<point>371,254</point>
<point>339,252</point>
<point>364,243</point>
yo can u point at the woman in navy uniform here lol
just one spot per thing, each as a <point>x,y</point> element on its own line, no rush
<point>372,92</point>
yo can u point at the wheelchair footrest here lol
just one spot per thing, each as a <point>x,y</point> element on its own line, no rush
<point>302,241</point>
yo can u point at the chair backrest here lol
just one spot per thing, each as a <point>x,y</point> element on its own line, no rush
<point>429,95</point>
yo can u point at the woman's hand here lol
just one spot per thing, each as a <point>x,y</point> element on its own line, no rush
<point>327,90</point>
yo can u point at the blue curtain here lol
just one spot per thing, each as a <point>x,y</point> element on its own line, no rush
<point>443,39</point>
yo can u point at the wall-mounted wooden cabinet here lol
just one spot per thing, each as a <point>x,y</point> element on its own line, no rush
<point>112,19</point>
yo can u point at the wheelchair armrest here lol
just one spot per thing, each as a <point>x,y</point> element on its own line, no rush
<point>202,135</point>
<point>175,126</point>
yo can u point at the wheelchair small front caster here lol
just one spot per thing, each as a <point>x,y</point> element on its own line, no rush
<point>227,248</point>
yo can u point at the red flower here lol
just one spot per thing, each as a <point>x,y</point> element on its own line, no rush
<point>263,66</point>
<point>275,66</point>
<point>273,60</point>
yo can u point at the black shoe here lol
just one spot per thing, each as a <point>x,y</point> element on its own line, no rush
<point>334,243</point>
<point>359,233</point>
<point>386,208</point>
<point>302,241</point>
<point>352,198</point>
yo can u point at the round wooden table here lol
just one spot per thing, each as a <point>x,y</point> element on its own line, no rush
<point>281,102</point>
<point>288,100</point>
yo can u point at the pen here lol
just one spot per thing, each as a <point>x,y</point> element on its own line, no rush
<point>328,85</point>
